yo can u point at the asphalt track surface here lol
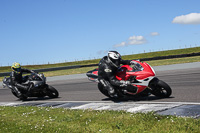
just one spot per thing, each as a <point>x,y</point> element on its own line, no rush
<point>184,79</point>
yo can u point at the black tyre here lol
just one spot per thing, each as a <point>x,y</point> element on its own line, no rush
<point>52,92</point>
<point>23,97</point>
<point>161,89</point>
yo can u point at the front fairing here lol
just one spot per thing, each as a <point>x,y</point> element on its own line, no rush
<point>139,73</point>
<point>139,70</point>
<point>39,80</point>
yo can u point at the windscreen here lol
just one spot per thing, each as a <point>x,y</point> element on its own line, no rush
<point>136,67</point>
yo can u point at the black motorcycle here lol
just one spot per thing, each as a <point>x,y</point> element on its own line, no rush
<point>39,87</point>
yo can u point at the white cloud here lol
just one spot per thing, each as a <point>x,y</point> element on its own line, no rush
<point>133,40</point>
<point>192,18</point>
<point>154,34</point>
<point>120,45</point>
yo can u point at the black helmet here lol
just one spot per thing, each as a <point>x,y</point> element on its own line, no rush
<point>114,57</point>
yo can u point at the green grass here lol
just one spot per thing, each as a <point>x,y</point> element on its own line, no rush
<point>47,119</point>
<point>69,71</point>
<point>152,63</point>
<point>163,53</point>
<point>32,67</point>
<point>126,57</point>
<point>174,61</point>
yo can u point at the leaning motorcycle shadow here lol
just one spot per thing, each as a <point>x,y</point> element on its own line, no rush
<point>135,99</point>
<point>37,99</point>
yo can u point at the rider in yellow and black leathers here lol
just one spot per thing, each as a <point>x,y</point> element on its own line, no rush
<point>17,79</point>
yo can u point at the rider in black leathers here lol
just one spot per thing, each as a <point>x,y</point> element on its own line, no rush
<point>108,66</point>
<point>17,79</point>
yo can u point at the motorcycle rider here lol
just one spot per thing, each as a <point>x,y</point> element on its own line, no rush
<point>108,66</point>
<point>17,79</point>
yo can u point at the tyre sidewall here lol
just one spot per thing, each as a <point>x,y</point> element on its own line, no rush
<point>50,90</point>
<point>161,85</point>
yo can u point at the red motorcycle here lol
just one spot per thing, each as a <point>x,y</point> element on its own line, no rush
<point>141,75</point>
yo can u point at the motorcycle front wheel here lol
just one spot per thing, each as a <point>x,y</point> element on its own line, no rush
<point>161,89</point>
<point>52,92</point>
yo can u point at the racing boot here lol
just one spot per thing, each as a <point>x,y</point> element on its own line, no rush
<point>16,91</point>
<point>108,87</point>
<point>111,92</point>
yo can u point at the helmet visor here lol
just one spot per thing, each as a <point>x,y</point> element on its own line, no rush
<point>116,62</point>
<point>18,70</point>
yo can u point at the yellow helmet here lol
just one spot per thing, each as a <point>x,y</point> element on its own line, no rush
<point>16,67</point>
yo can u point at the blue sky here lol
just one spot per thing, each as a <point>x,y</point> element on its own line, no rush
<point>42,31</point>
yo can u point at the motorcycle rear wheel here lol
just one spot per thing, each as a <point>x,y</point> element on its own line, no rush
<point>23,97</point>
<point>52,92</point>
<point>161,89</point>
<point>102,90</point>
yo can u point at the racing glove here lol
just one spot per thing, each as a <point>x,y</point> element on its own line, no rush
<point>124,83</point>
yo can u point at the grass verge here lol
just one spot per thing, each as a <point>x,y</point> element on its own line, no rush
<point>152,63</point>
<point>174,61</point>
<point>47,119</point>
<point>126,57</point>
